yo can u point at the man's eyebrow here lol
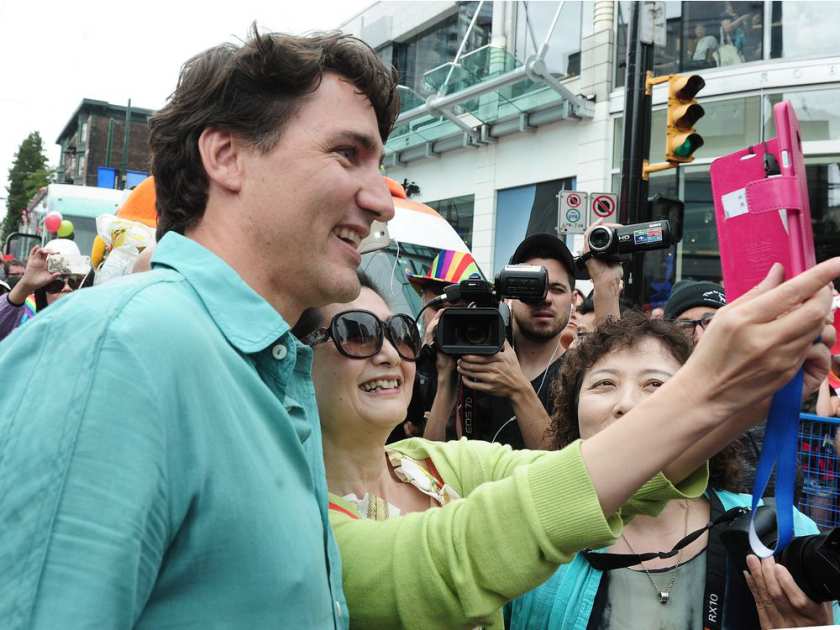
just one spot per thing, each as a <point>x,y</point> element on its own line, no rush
<point>366,141</point>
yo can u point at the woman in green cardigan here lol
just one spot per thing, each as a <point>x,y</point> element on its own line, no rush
<point>427,542</point>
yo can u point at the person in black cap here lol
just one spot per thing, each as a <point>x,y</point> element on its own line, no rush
<point>693,304</point>
<point>512,401</point>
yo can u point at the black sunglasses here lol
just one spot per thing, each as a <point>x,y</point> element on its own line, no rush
<point>57,285</point>
<point>359,335</point>
<point>691,324</point>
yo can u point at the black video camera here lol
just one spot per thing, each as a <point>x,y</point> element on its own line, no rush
<point>480,327</point>
<point>607,242</point>
<point>813,561</point>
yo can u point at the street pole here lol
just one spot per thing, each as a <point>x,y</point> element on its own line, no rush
<point>633,206</point>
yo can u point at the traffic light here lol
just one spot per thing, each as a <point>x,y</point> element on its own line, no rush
<point>683,112</point>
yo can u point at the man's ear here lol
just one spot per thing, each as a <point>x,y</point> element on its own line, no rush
<point>221,157</point>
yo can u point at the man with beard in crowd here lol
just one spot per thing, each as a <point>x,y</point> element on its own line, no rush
<point>508,395</point>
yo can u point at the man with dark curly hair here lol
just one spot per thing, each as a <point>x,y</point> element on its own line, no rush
<point>161,462</point>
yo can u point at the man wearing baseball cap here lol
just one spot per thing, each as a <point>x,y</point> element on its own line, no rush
<point>512,388</point>
<point>693,304</point>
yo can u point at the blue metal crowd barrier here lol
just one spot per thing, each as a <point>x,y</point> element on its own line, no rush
<point>820,466</point>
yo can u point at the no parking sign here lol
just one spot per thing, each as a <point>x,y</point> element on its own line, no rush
<point>572,216</point>
<point>603,206</point>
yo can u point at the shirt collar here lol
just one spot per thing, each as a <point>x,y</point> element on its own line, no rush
<point>248,322</point>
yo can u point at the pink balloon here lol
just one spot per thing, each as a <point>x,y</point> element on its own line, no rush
<point>52,222</point>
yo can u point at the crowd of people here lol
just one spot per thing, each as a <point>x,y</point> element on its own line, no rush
<point>210,440</point>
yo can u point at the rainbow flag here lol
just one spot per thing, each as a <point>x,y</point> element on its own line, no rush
<point>450,267</point>
<point>29,310</point>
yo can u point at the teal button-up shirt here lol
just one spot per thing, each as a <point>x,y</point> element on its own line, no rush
<point>161,462</point>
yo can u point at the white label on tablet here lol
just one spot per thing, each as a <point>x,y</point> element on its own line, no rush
<point>735,203</point>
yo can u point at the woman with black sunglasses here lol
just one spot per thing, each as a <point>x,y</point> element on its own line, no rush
<point>442,534</point>
<point>38,287</point>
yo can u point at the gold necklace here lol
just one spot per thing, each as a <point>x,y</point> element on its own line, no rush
<point>664,595</point>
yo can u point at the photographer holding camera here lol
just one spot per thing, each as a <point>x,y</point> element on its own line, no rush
<point>509,392</point>
<point>16,307</point>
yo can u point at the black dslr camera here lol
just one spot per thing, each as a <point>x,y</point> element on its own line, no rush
<point>480,327</point>
<point>607,242</point>
<point>813,561</point>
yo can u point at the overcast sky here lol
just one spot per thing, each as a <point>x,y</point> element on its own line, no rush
<point>52,55</point>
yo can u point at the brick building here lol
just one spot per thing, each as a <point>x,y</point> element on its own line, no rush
<point>92,146</point>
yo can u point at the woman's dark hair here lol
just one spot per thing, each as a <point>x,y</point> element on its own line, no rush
<point>251,90</point>
<point>613,336</point>
<point>313,318</point>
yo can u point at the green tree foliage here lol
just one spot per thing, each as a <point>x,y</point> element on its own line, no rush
<point>28,173</point>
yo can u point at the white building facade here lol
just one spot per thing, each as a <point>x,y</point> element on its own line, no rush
<point>504,104</point>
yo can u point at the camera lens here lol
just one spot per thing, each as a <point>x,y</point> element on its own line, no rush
<point>600,238</point>
<point>476,334</point>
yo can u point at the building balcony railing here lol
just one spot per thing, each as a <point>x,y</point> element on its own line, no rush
<point>467,96</point>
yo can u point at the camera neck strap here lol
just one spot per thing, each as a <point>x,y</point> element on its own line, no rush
<point>779,452</point>
<point>610,561</point>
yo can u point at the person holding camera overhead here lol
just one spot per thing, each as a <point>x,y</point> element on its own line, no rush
<point>442,534</point>
<point>18,305</point>
<point>604,377</point>
<point>511,389</point>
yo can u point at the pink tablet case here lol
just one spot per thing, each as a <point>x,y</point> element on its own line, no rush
<point>763,218</point>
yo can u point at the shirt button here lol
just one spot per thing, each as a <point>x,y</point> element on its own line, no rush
<point>279,352</point>
<point>337,609</point>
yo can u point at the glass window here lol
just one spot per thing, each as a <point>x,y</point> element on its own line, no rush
<point>660,264</point>
<point>722,34</point>
<point>439,45</point>
<point>84,231</point>
<point>824,197</point>
<point>727,126</point>
<point>532,22</point>
<point>525,210</point>
<point>816,110</point>
<point>665,60</point>
<point>700,255</point>
<point>700,35</point>
<point>618,141</point>
<point>458,211</point>
<point>389,268</point>
<point>800,29</point>
<point>386,54</point>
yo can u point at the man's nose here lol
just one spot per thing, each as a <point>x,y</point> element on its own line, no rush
<point>375,197</point>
